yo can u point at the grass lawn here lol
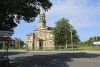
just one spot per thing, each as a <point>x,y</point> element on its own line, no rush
<point>82,48</point>
<point>95,48</point>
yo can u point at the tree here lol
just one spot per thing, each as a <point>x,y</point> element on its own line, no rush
<point>75,36</point>
<point>12,11</point>
<point>62,33</point>
<point>19,43</point>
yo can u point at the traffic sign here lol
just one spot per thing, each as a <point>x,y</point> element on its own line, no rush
<point>6,33</point>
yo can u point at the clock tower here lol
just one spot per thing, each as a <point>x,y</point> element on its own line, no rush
<point>42,21</point>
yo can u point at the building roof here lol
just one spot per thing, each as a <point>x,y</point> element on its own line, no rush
<point>50,28</point>
<point>29,34</point>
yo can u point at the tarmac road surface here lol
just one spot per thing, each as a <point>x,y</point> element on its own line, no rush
<point>54,59</point>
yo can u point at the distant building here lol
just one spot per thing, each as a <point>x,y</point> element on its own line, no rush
<point>42,37</point>
<point>96,43</point>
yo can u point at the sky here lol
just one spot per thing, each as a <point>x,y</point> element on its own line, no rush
<point>84,15</point>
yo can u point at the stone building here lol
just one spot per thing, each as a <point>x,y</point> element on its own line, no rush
<point>42,37</point>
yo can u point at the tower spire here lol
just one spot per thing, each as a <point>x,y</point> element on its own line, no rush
<point>42,21</point>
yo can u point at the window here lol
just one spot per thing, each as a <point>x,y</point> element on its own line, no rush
<point>47,35</point>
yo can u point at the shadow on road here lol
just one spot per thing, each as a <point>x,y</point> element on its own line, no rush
<point>55,60</point>
<point>11,53</point>
<point>51,60</point>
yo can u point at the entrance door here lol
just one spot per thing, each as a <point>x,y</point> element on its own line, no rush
<point>40,44</point>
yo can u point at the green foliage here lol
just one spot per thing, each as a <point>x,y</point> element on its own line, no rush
<point>19,43</point>
<point>62,33</point>
<point>81,44</point>
<point>12,11</point>
<point>75,36</point>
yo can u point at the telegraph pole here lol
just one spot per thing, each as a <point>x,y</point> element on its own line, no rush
<point>72,40</point>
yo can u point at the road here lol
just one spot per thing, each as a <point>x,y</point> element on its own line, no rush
<point>54,59</point>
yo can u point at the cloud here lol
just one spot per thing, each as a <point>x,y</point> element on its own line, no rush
<point>81,13</point>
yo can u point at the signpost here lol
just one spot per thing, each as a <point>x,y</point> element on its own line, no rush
<point>5,36</point>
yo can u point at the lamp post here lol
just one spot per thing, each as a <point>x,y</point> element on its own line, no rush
<point>71,32</point>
